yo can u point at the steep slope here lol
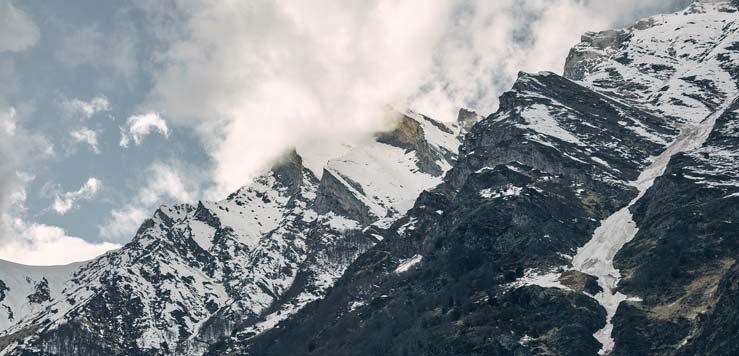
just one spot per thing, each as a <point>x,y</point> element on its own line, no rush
<point>597,256</point>
<point>195,274</point>
<point>23,289</point>
<point>682,261</point>
<point>681,66</point>
<point>519,251</point>
<point>685,67</point>
<point>461,272</point>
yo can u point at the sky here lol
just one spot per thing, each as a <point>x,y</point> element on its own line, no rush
<point>109,109</point>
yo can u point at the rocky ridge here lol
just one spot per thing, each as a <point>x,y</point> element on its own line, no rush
<point>195,274</point>
<point>634,148</point>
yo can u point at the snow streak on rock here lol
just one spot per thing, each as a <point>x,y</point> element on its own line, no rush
<point>596,257</point>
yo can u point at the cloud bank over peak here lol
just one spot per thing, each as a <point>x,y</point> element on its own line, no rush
<point>254,78</point>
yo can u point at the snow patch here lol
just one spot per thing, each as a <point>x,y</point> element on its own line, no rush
<point>406,265</point>
<point>202,233</point>
<point>409,226</point>
<point>356,305</point>
<point>508,191</point>
<point>540,119</point>
<point>534,278</point>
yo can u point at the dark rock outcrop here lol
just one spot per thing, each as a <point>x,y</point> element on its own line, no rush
<point>682,261</point>
<point>502,211</point>
<point>40,293</point>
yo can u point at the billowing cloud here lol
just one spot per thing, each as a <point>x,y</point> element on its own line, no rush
<point>85,109</point>
<point>275,73</point>
<point>39,244</point>
<point>64,202</point>
<point>18,32</point>
<point>86,136</point>
<point>253,78</point>
<point>139,126</point>
<point>161,182</point>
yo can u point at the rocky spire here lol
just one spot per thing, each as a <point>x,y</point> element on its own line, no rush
<point>289,171</point>
<point>467,118</point>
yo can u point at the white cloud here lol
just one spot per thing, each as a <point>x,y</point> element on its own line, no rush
<point>166,180</point>
<point>65,202</point>
<point>161,182</point>
<point>22,241</point>
<point>19,150</point>
<point>87,136</point>
<point>123,222</point>
<point>10,181</point>
<point>84,108</point>
<point>139,126</point>
<point>7,121</point>
<point>18,32</point>
<point>275,73</point>
<point>38,244</point>
<point>253,78</point>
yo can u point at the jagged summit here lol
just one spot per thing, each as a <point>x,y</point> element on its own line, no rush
<point>289,171</point>
<point>467,118</point>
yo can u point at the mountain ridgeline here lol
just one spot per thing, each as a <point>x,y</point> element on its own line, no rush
<point>593,213</point>
<point>196,274</point>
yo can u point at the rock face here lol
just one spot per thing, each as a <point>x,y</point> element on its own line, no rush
<point>682,262</point>
<point>592,213</point>
<point>531,184</point>
<point>482,265</point>
<point>196,274</point>
<point>467,119</point>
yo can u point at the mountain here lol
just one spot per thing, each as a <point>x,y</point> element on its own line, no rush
<point>24,289</point>
<point>594,213</point>
<point>195,274</point>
